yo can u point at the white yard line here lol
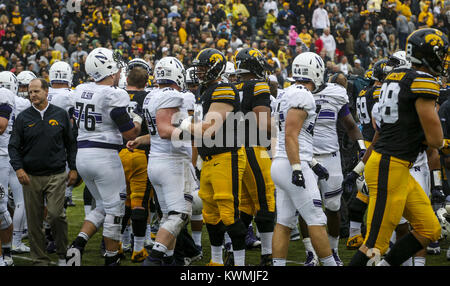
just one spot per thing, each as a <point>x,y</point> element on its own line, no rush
<point>28,259</point>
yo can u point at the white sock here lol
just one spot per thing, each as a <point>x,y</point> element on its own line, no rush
<point>197,237</point>
<point>227,238</point>
<point>383,263</point>
<point>109,253</point>
<point>2,263</point>
<point>17,238</point>
<point>138,243</point>
<point>408,262</point>
<point>216,254</point>
<point>266,242</point>
<point>170,252</point>
<point>355,228</point>
<point>239,257</point>
<point>87,210</point>
<point>328,261</point>
<point>84,235</point>
<point>126,235</point>
<point>419,261</point>
<point>279,262</point>
<point>308,245</point>
<point>334,242</point>
<point>159,247</point>
<point>147,232</point>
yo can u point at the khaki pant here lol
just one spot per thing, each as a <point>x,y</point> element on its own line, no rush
<point>53,189</point>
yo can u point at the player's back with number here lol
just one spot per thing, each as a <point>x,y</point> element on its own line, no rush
<point>401,133</point>
<point>94,111</point>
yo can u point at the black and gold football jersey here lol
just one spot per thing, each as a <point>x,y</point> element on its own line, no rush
<point>226,93</point>
<point>364,104</point>
<point>401,134</point>
<point>253,93</point>
<point>136,102</point>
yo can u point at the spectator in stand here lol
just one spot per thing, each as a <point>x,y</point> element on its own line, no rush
<point>368,32</point>
<point>293,35</point>
<point>349,45</point>
<point>344,66</point>
<point>426,18</point>
<point>403,30</point>
<point>271,5</point>
<point>318,43</point>
<point>320,19</point>
<point>305,36</point>
<point>286,18</point>
<point>362,50</point>
<point>329,43</point>
<point>358,69</point>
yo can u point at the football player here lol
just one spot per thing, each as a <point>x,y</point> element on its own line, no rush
<point>24,78</point>
<point>294,179</point>
<point>169,171</point>
<point>408,119</point>
<point>60,94</point>
<point>364,104</point>
<point>103,121</point>
<point>135,166</point>
<point>223,158</point>
<point>258,191</point>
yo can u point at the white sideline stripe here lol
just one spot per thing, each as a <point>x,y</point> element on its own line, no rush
<point>295,262</point>
<point>28,259</point>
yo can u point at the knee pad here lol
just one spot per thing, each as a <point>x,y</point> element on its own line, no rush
<point>197,204</point>
<point>175,222</point>
<point>237,232</point>
<point>5,220</point>
<point>333,203</point>
<point>97,217</point>
<point>197,217</point>
<point>139,219</point>
<point>356,210</point>
<point>111,227</point>
<point>216,233</point>
<point>265,221</point>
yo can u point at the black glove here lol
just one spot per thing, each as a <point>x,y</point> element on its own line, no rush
<point>361,154</point>
<point>321,172</point>
<point>349,182</point>
<point>437,195</point>
<point>197,173</point>
<point>298,179</point>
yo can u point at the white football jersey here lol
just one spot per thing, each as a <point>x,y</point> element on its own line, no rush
<point>422,158</point>
<point>189,101</point>
<point>93,106</point>
<point>61,97</point>
<point>296,96</point>
<point>20,105</point>
<point>330,100</point>
<point>158,99</point>
<point>8,98</point>
<point>273,105</point>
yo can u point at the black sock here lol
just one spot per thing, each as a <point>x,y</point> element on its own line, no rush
<point>80,241</point>
<point>156,254</point>
<point>359,259</point>
<point>403,249</point>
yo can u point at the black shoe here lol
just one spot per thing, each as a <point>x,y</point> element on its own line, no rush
<point>51,247</point>
<point>112,260</point>
<point>152,261</point>
<point>266,260</point>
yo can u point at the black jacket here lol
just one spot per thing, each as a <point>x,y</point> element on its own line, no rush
<point>42,146</point>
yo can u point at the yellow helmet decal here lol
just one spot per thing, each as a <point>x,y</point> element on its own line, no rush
<point>255,53</point>
<point>434,40</point>
<point>215,58</point>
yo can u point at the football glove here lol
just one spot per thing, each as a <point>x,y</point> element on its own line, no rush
<point>445,148</point>
<point>319,170</point>
<point>362,149</point>
<point>297,176</point>
<point>349,182</point>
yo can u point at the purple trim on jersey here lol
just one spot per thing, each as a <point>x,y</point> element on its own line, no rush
<point>102,145</point>
<point>344,111</point>
<point>188,198</point>
<point>333,193</point>
<point>317,203</point>
<point>5,110</point>
<point>325,114</point>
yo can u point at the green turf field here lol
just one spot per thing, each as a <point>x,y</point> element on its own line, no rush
<point>92,256</point>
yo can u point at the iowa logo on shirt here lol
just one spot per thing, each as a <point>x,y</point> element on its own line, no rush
<point>53,122</point>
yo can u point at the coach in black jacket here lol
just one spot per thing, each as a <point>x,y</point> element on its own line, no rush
<point>40,145</point>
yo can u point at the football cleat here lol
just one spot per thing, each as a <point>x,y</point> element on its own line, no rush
<point>229,258</point>
<point>152,261</point>
<point>295,234</point>
<point>434,248</point>
<point>51,247</point>
<point>311,259</point>
<point>355,242</point>
<point>139,256</point>
<point>21,248</point>
<point>211,263</point>
<point>112,260</point>
<point>250,239</point>
<point>8,260</point>
<point>126,247</point>
<point>189,260</point>
<point>266,260</point>
<point>337,258</point>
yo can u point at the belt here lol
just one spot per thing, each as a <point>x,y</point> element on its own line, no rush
<point>326,154</point>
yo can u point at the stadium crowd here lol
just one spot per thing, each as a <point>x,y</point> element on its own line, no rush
<point>349,35</point>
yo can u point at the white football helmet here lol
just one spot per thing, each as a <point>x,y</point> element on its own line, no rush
<point>123,79</point>
<point>137,62</point>
<point>9,81</point>
<point>170,70</point>
<point>309,66</point>
<point>101,63</point>
<point>398,60</point>
<point>60,72</point>
<point>197,204</point>
<point>24,78</point>
<point>191,77</point>
<point>229,70</point>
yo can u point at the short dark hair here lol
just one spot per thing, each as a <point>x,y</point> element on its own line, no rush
<point>44,83</point>
<point>137,77</point>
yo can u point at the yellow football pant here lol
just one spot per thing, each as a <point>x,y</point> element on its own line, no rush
<point>220,185</point>
<point>395,193</point>
<point>135,168</point>
<point>258,189</point>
